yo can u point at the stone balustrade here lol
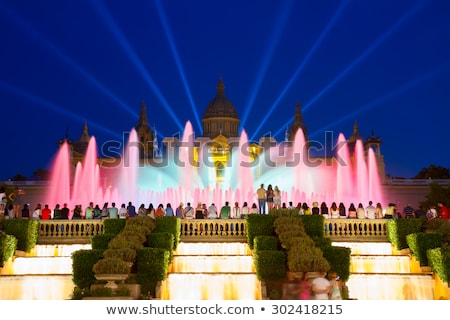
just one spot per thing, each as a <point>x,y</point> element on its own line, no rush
<point>211,230</point>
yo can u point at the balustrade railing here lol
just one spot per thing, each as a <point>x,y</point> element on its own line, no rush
<point>209,230</point>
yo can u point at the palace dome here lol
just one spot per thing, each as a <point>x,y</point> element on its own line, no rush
<point>220,106</point>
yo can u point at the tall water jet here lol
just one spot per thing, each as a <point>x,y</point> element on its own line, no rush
<point>59,187</point>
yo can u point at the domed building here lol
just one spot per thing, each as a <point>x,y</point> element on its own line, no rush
<point>220,117</point>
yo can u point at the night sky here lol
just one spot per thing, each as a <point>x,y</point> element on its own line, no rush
<point>384,64</point>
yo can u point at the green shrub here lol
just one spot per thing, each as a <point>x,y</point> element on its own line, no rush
<point>284,213</point>
<point>265,243</point>
<point>398,229</point>
<point>171,225</point>
<point>124,242</point>
<point>101,241</point>
<point>8,244</point>
<point>339,259</point>
<point>25,231</point>
<point>439,261</point>
<point>152,266</point>
<point>440,226</point>
<point>270,264</point>
<point>113,226</point>
<point>258,225</point>
<point>111,266</point>
<point>82,263</point>
<point>162,240</point>
<point>420,242</point>
<point>125,254</point>
<point>314,225</point>
<point>147,223</point>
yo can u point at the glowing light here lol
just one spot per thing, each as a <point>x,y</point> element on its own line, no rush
<point>366,52</point>
<point>53,107</point>
<point>390,95</point>
<point>35,35</point>
<point>126,46</point>
<point>173,47</point>
<point>280,23</point>
<point>305,60</point>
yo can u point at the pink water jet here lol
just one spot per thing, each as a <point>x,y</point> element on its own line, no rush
<point>343,178</point>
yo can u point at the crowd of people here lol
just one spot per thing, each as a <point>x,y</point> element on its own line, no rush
<point>12,206</point>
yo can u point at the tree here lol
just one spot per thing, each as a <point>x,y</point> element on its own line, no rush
<point>19,177</point>
<point>41,174</point>
<point>436,194</point>
<point>433,172</point>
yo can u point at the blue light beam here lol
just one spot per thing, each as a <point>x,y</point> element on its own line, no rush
<point>368,51</point>
<point>274,39</point>
<point>54,107</point>
<point>35,35</point>
<point>126,46</point>
<point>305,60</point>
<point>173,47</point>
<point>388,96</point>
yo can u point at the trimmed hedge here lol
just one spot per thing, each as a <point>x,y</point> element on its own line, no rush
<point>162,240</point>
<point>420,242</point>
<point>113,226</point>
<point>152,266</point>
<point>339,259</point>
<point>100,241</point>
<point>82,262</point>
<point>314,225</point>
<point>439,261</point>
<point>258,225</point>
<point>171,225</point>
<point>25,231</point>
<point>8,244</point>
<point>270,264</point>
<point>265,243</point>
<point>398,229</point>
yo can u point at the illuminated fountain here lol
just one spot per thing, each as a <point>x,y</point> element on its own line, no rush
<point>44,274</point>
<point>301,179</point>
<point>207,271</point>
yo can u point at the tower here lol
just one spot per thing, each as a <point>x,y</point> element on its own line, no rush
<point>298,124</point>
<point>145,134</point>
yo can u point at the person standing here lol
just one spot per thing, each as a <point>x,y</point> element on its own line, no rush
<point>212,211</point>
<point>321,287</point>
<point>444,211</point>
<point>65,212</point>
<point>236,211</point>
<point>408,211</point>
<point>169,210</point>
<point>15,198</point>
<point>131,210</point>
<point>113,212</point>
<point>261,194</point>
<point>276,198</point>
<point>123,212</point>
<point>46,213</point>
<point>269,197</point>
<point>179,211</point>
<point>335,290</point>
<point>36,215</point>
<point>371,211</point>
<point>189,211</point>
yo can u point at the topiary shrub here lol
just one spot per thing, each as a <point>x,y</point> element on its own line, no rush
<point>270,264</point>
<point>398,229</point>
<point>25,231</point>
<point>125,254</point>
<point>313,225</point>
<point>339,259</point>
<point>8,245</point>
<point>123,242</point>
<point>420,242</point>
<point>258,225</point>
<point>82,263</point>
<point>163,240</point>
<point>265,243</point>
<point>171,225</point>
<point>111,266</point>
<point>147,223</point>
<point>152,266</point>
<point>113,226</point>
<point>101,241</point>
<point>439,261</point>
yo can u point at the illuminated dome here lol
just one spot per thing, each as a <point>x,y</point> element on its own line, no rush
<point>220,117</point>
